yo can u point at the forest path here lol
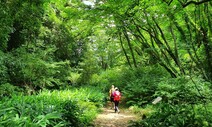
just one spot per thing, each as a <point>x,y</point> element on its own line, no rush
<point>108,118</point>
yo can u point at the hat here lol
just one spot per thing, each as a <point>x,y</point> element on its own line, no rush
<point>116,88</point>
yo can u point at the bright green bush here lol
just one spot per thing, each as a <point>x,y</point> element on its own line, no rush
<point>125,78</point>
<point>184,115</point>
<point>140,91</point>
<point>185,102</point>
<point>183,90</point>
<point>57,108</point>
<point>106,78</point>
<point>35,68</point>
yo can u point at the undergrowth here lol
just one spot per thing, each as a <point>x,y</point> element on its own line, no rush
<point>75,107</point>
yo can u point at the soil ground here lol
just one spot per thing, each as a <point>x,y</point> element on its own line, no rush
<point>108,118</point>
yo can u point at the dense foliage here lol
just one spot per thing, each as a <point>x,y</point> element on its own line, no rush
<point>149,49</point>
<point>185,102</point>
<point>75,107</point>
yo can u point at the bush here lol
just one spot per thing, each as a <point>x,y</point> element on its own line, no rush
<point>8,90</point>
<point>4,77</point>
<point>141,90</point>
<point>57,108</point>
<point>125,76</point>
<point>184,115</point>
<point>181,90</point>
<point>185,102</point>
<point>35,68</point>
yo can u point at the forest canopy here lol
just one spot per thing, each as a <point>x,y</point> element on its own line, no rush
<point>91,36</point>
<point>147,48</point>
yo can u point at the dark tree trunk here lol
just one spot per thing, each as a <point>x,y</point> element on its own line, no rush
<point>125,53</point>
<point>130,46</point>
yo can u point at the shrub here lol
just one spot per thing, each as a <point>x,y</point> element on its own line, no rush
<point>8,90</point>
<point>141,90</point>
<point>184,115</point>
<point>35,68</point>
<point>4,77</point>
<point>57,108</point>
<point>182,90</point>
<point>185,102</point>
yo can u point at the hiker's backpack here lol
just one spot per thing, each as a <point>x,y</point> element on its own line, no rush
<point>117,96</point>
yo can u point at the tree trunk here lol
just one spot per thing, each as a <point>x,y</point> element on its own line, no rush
<point>130,46</point>
<point>125,53</point>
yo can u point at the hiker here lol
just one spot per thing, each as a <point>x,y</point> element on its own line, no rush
<point>112,89</point>
<point>117,97</point>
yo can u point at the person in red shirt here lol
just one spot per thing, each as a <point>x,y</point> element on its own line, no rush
<point>117,97</point>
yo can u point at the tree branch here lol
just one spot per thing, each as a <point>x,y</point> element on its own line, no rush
<point>195,2</point>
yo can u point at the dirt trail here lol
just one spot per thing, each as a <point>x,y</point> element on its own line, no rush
<point>108,118</point>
